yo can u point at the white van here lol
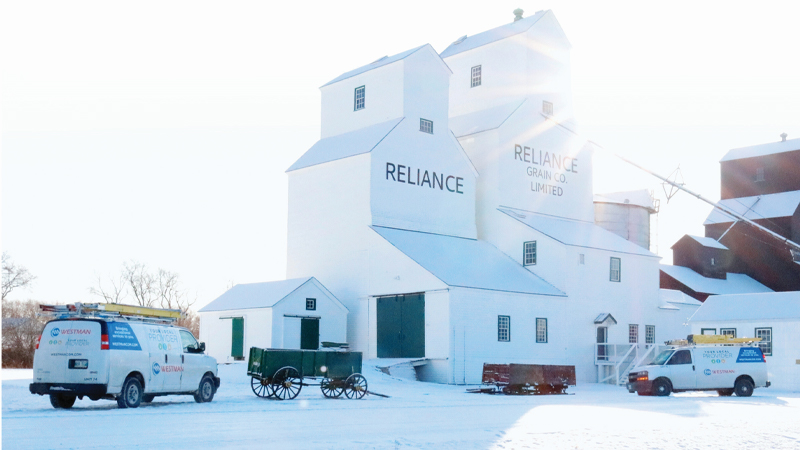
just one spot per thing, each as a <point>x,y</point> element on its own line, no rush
<point>130,361</point>
<point>726,369</point>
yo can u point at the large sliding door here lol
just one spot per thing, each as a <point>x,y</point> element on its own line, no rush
<point>401,326</point>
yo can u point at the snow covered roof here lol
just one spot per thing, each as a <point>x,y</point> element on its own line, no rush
<point>495,34</point>
<point>735,283</point>
<point>382,62</point>
<point>639,197</point>
<point>767,206</point>
<point>677,297</point>
<point>762,306</point>
<point>345,145</point>
<point>469,263</point>
<point>483,120</point>
<point>603,317</point>
<point>260,295</point>
<point>576,233</point>
<point>762,150</point>
<point>707,242</point>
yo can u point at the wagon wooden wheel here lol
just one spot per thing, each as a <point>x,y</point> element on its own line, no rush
<point>332,388</point>
<point>286,383</point>
<point>355,386</point>
<point>260,387</point>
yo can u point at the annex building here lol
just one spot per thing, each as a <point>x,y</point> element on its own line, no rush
<point>448,206</point>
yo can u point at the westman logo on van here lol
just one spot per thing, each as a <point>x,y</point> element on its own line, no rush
<point>156,369</point>
<point>166,369</point>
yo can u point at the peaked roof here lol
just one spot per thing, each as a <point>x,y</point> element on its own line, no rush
<point>345,145</point>
<point>260,295</point>
<point>704,241</point>
<point>735,283</point>
<point>767,206</point>
<point>386,60</point>
<point>483,120</point>
<point>603,317</point>
<point>762,306</point>
<point>469,263</point>
<point>762,150</point>
<point>493,35</point>
<point>576,233</point>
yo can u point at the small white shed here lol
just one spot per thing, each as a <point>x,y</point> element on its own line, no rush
<point>773,316</point>
<point>298,313</point>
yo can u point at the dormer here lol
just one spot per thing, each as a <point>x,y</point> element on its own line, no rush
<point>704,255</point>
<point>412,84</point>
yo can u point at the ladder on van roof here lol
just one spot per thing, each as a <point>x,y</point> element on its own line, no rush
<point>110,311</point>
<point>712,339</point>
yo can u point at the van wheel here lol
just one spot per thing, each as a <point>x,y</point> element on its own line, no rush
<point>62,400</point>
<point>131,396</point>
<point>147,398</point>
<point>725,392</point>
<point>743,387</point>
<point>661,387</point>
<point>205,393</point>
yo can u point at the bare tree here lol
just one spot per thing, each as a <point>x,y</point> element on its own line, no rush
<point>113,292</point>
<point>14,276</point>
<point>141,282</point>
<point>21,330</point>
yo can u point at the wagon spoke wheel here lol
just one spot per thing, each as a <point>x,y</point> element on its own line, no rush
<point>260,387</point>
<point>286,383</point>
<point>355,386</point>
<point>331,388</point>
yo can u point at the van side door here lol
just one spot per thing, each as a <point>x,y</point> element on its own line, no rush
<point>682,371</point>
<point>193,362</point>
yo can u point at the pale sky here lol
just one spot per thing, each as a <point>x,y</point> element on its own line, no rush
<point>160,131</point>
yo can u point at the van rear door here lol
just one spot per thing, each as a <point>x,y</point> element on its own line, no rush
<point>70,352</point>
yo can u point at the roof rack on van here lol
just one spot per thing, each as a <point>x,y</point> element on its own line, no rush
<point>712,339</point>
<point>111,311</point>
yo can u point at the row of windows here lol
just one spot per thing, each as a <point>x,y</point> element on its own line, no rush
<point>529,259</point>
<point>764,333</point>
<point>504,329</point>
<point>649,334</point>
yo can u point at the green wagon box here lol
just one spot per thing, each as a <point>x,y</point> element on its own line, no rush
<point>279,373</point>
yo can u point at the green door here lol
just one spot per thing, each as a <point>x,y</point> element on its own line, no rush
<point>309,334</point>
<point>237,337</point>
<point>401,326</point>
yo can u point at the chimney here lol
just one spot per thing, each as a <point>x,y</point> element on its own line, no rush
<point>783,137</point>
<point>518,14</point>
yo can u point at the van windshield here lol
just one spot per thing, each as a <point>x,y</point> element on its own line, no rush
<point>661,358</point>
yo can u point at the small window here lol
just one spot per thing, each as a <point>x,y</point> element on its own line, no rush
<point>766,340</point>
<point>426,126</point>
<point>360,97</point>
<point>680,357</point>
<point>547,108</point>
<point>616,270</point>
<point>311,304</point>
<point>476,76</point>
<point>541,330</point>
<point>529,254</point>
<point>581,259</point>
<point>711,331</point>
<point>759,174</point>
<point>728,332</point>
<point>504,328</point>
<point>713,262</point>
<point>633,333</point>
<point>649,334</point>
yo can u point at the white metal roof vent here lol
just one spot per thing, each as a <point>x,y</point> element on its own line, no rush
<point>783,137</point>
<point>518,14</point>
<point>380,59</point>
<point>460,40</point>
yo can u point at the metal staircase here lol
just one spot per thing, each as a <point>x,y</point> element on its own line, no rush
<point>615,361</point>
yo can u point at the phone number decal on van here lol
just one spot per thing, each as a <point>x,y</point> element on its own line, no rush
<point>750,355</point>
<point>121,337</point>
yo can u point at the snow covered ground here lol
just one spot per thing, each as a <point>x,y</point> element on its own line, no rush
<point>418,415</point>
